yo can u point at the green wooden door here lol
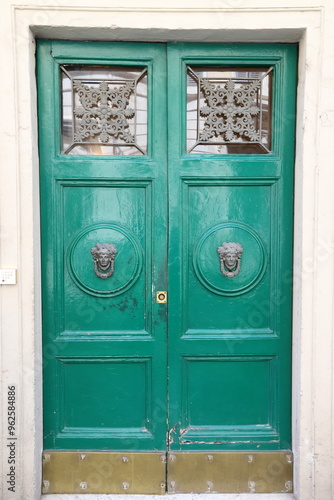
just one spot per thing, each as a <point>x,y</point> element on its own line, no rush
<point>104,337</point>
<point>172,171</point>
<point>230,337</point>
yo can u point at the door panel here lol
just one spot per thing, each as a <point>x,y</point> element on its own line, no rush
<point>230,336</point>
<point>216,233</point>
<point>128,204</point>
<point>231,214</point>
<point>104,336</point>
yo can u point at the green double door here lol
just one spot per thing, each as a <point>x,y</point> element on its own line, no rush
<point>166,222</point>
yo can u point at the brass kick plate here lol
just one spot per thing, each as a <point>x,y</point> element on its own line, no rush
<point>187,472</point>
<point>161,297</point>
<point>230,472</point>
<point>104,472</point>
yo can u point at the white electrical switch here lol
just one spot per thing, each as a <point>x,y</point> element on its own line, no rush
<point>7,276</point>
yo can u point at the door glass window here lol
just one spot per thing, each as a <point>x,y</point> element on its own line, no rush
<point>104,110</point>
<point>229,110</point>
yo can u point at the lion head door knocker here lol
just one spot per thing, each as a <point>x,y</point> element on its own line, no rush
<point>104,256</point>
<point>230,256</point>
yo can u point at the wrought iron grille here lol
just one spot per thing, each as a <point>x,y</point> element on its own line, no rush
<point>104,110</point>
<point>229,110</point>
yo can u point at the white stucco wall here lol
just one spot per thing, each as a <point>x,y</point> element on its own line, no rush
<point>195,20</point>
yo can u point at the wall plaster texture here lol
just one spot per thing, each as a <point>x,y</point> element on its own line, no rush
<point>309,22</point>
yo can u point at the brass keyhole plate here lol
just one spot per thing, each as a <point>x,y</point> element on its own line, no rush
<point>161,297</point>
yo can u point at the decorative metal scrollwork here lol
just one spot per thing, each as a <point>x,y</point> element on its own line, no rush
<point>230,257</point>
<point>104,257</point>
<point>229,110</point>
<point>104,111</point>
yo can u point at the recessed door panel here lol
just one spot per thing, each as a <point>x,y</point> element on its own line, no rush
<point>222,404</point>
<point>121,406</point>
<point>116,214</point>
<point>228,213</point>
